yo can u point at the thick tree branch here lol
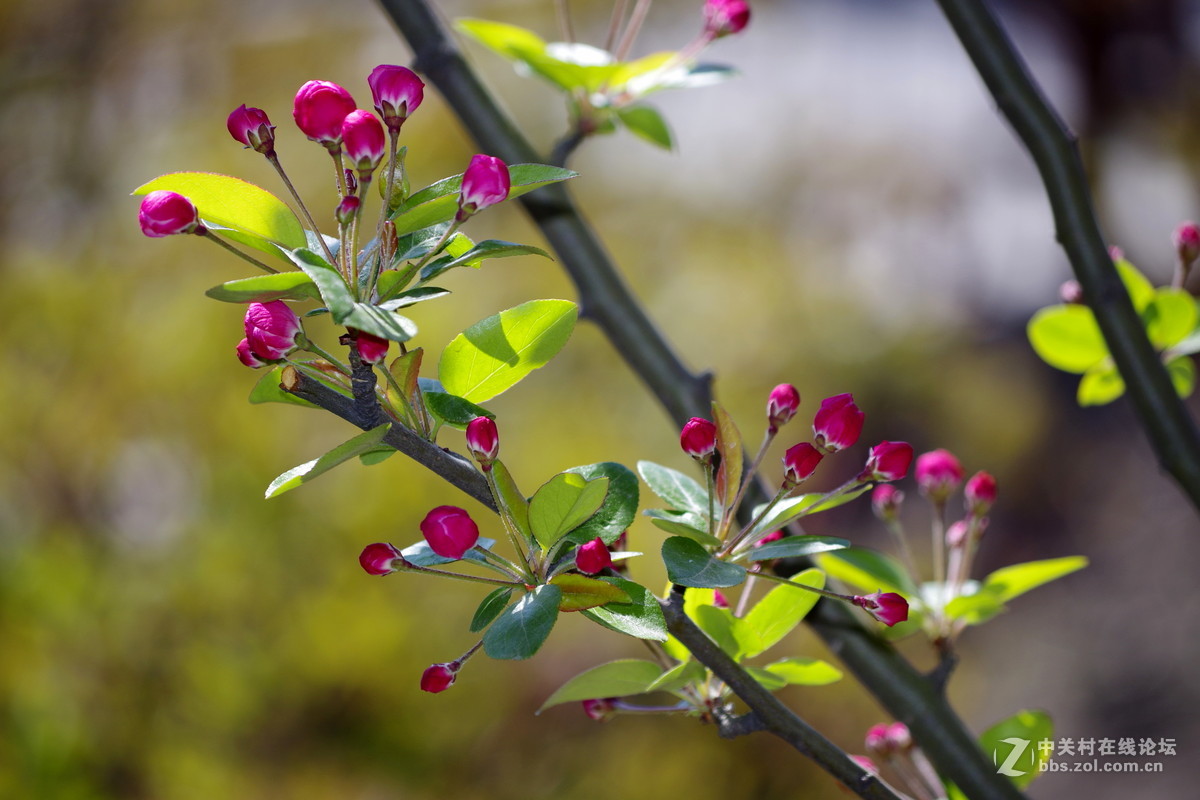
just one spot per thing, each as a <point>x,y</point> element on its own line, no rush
<point>1170,427</point>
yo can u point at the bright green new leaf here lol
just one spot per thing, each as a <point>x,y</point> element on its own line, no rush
<point>794,547</point>
<point>678,677</point>
<point>1017,579</point>
<point>1100,385</point>
<point>521,630</point>
<point>1183,375</point>
<point>641,617</point>
<point>729,445</point>
<point>689,564</point>
<point>376,456</point>
<point>1013,745</point>
<point>867,569</point>
<point>974,609</point>
<point>269,390</point>
<point>454,411</point>
<point>615,679</point>
<point>319,466</point>
<point>805,671</point>
<point>1141,291</point>
<point>676,489</point>
<point>648,124</point>
<point>1170,316</point>
<point>718,625</point>
<point>491,248</point>
<point>580,592</point>
<point>515,506</point>
<point>490,608</point>
<point>562,504</point>
<point>342,305</point>
<point>620,505</point>
<point>780,611</point>
<point>681,523</point>
<point>265,288</point>
<point>497,352</point>
<point>413,296</point>
<point>1067,337</point>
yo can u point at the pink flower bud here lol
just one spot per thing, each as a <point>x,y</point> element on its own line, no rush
<point>164,213</point>
<point>719,599</point>
<point>346,209</point>
<point>1116,253</point>
<point>799,462</point>
<point>899,737</point>
<point>319,110</point>
<point>888,461</point>
<point>782,405</point>
<point>699,439</point>
<point>980,493</point>
<point>247,357</point>
<point>363,138</point>
<point>1071,292</point>
<point>380,559</point>
<point>485,183</point>
<point>253,128</point>
<point>838,423</point>
<point>957,533</point>
<point>371,349</point>
<point>439,677</point>
<point>887,607</point>
<point>1187,242</point>
<point>483,440</point>
<point>397,92</point>
<point>876,740</point>
<point>593,557</point>
<point>723,17</point>
<point>450,531</point>
<point>938,474</point>
<point>886,501</point>
<point>773,536</point>
<point>271,329</point>
<point>600,709</point>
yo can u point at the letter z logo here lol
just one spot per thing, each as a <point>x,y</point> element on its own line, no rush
<point>1019,746</point>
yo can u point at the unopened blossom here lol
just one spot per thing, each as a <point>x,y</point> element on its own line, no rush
<point>252,127</point>
<point>1187,242</point>
<point>939,474</point>
<point>247,357</point>
<point>380,558</point>
<point>724,17</point>
<point>886,501</point>
<point>363,140</point>
<point>888,461</point>
<point>838,423</point>
<point>699,438</point>
<point>397,91</point>
<point>439,677</point>
<point>483,440</point>
<point>980,493</point>
<point>319,109</point>
<point>887,607</point>
<point>593,557</point>
<point>782,405</point>
<point>450,531</point>
<point>164,213</point>
<point>271,329</point>
<point>485,183</point>
<point>600,709</point>
<point>799,462</point>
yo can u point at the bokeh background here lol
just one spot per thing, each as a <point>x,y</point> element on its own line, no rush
<point>849,215</point>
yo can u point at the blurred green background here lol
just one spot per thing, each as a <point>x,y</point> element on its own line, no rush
<point>849,215</point>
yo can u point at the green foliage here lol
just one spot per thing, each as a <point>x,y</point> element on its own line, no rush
<point>619,508</point>
<point>265,288</point>
<point>1033,726</point>
<point>676,489</point>
<point>490,607</point>
<point>689,564</point>
<point>269,390</point>
<point>562,504</point>
<point>795,547</point>
<point>869,570</point>
<point>729,446</point>
<point>779,612</point>
<point>519,632</point>
<point>641,617</point>
<point>1006,583</point>
<point>310,470</point>
<point>454,411</point>
<point>512,502</point>
<point>580,592</point>
<point>342,305</point>
<point>626,676</point>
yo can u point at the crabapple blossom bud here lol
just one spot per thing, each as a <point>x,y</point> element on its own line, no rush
<point>439,677</point>
<point>271,329</point>
<point>980,493</point>
<point>483,440</point>
<point>347,209</point>
<point>876,741</point>
<point>838,423</point>
<point>164,213</point>
<point>319,110</point>
<point>799,462</point>
<point>773,536</point>
<point>899,737</point>
<point>888,461</point>
<point>699,439</point>
<point>1071,292</point>
<point>253,128</point>
<point>938,474</point>
<point>371,349</point>
<point>397,92</point>
<point>485,183</point>
<point>719,599</point>
<point>782,405</point>
<point>1187,242</point>
<point>723,17</point>
<point>887,607</point>
<point>450,531</point>
<point>886,501</point>
<point>593,557</point>
<point>600,709</point>
<point>957,533</point>
<point>364,140</point>
<point>1116,253</point>
<point>247,357</point>
<point>380,559</point>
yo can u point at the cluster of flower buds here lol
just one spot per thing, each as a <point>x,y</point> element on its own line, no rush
<point>907,767</point>
<point>272,330</point>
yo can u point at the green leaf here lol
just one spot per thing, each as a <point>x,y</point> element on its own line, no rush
<point>867,569</point>
<point>1017,579</point>
<point>620,505</point>
<point>973,609</point>
<point>238,205</point>
<point>805,671</point>
<point>718,625</point>
<point>580,592</point>
<point>679,676</point>
<point>562,504</point>
<point>802,505</point>
<point>648,124</point>
<point>377,456</point>
<point>1189,345</point>
<point>795,547</point>
<point>689,564</point>
<point>675,488</point>
<point>319,466</point>
<point>497,352</point>
<point>620,678</point>
<point>412,297</point>
<point>729,445</point>
<point>265,288</point>
<point>1100,385</point>
<point>1001,740</point>
<point>454,411</point>
<point>1170,316</point>
<point>780,611</point>
<point>269,390</point>
<point>681,523</point>
<point>641,618</point>
<point>1141,291</point>
<point>1183,375</point>
<point>490,248</point>
<point>490,608</point>
<point>521,630</point>
<point>515,506</point>
<point>342,305</point>
<point>1067,337</point>
<point>422,555</point>
<point>439,202</point>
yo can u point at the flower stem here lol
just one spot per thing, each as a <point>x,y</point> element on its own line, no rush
<point>312,225</point>
<point>212,237</point>
<point>312,347</point>
<point>461,576</point>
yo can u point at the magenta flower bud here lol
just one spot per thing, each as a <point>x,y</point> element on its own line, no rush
<point>380,559</point>
<point>773,536</point>
<point>253,128</point>
<point>439,677</point>
<point>450,531</point>
<point>485,183</point>
<point>164,213</point>
<point>899,737</point>
<point>1071,292</point>
<point>723,17</point>
<point>371,349</point>
<point>887,607</point>
<point>364,140</point>
<point>886,501</point>
<point>876,740</point>
<point>888,461</point>
<point>593,557</point>
<point>782,405</point>
<point>938,474</point>
<point>247,357</point>
<point>699,439</point>
<point>957,533</point>
<point>719,599</point>
<point>980,493</point>
<point>346,209</point>
<point>483,440</point>
<point>397,92</point>
<point>799,462</point>
<point>838,423</point>
<point>600,709</point>
<point>1187,242</point>
<point>271,329</point>
<point>319,110</point>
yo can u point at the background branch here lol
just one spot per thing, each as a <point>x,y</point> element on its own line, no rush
<point>1170,427</point>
